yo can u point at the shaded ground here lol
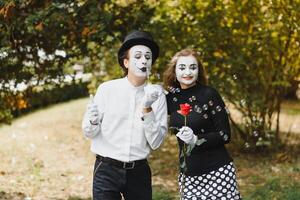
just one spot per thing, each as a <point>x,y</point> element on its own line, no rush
<point>45,156</point>
<point>253,171</point>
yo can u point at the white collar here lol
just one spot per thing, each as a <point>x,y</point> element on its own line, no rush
<point>132,86</point>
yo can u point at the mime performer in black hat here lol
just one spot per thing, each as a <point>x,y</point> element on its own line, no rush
<point>125,120</point>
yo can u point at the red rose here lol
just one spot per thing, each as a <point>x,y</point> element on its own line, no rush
<point>185,109</point>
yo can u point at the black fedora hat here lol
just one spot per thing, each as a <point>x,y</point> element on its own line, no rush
<point>138,38</point>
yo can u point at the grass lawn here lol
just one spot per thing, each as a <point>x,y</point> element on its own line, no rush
<point>45,156</point>
<point>261,177</point>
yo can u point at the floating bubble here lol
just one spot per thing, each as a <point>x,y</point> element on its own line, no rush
<point>218,108</point>
<point>177,90</point>
<point>32,146</point>
<point>13,160</point>
<point>221,133</point>
<point>205,116</point>
<point>157,76</point>
<point>213,112</point>
<point>80,177</point>
<point>225,137</point>
<point>190,100</point>
<point>243,102</point>
<point>247,145</point>
<point>171,89</point>
<point>234,76</point>
<point>211,103</point>
<point>193,98</point>
<point>23,125</point>
<point>175,99</point>
<point>202,130</point>
<point>14,136</point>
<point>255,133</point>
<point>244,119</point>
<point>198,109</point>
<point>205,107</point>
<point>227,110</point>
<point>224,98</point>
<point>269,136</point>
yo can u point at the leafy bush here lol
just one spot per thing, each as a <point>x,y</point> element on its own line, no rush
<point>55,94</point>
<point>36,97</point>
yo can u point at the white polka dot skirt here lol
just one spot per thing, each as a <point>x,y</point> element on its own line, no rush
<point>215,185</point>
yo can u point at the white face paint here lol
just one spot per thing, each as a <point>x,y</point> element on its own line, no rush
<point>186,71</point>
<point>140,61</point>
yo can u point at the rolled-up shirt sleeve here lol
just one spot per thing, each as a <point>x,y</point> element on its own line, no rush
<point>155,123</point>
<point>89,130</point>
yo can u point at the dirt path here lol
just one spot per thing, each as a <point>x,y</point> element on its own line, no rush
<point>45,156</point>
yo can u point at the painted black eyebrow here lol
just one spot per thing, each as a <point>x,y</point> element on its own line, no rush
<point>141,52</point>
<point>183,65</point>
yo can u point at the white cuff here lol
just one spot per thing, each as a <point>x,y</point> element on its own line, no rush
<point>148,117</point>
<point>195,139</point>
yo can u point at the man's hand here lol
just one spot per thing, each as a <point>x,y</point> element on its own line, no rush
<point>187,135</point>
<point>152,93</point>
<point>93,112</point>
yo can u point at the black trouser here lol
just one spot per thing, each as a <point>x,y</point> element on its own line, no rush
<point>110,181</point>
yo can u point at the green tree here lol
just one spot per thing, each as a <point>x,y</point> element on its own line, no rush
<point>250,50</point>
<point>33,35</point>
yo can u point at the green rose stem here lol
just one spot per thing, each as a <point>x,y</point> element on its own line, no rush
<point>185,109</point>
<point>184,145</point>
<point>184,166</point>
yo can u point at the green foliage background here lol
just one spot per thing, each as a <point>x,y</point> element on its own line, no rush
<point>249,48</point>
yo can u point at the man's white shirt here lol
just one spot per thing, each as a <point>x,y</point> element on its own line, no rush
<point>122,134</point>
